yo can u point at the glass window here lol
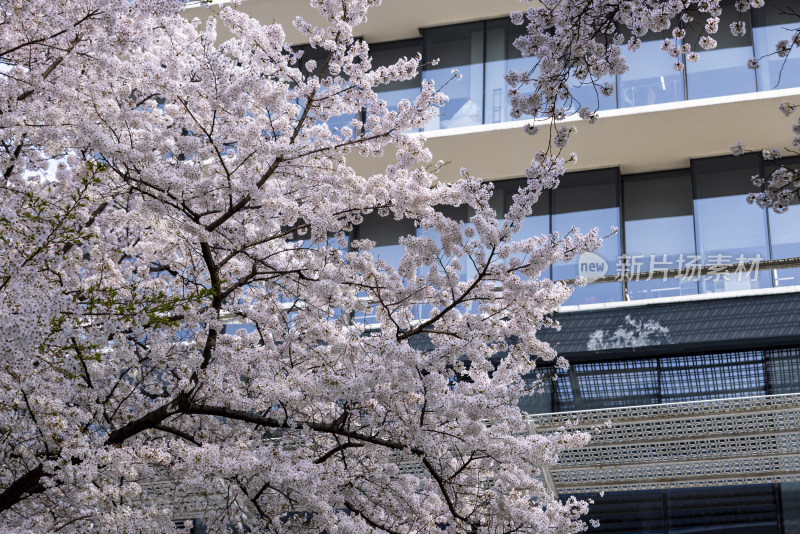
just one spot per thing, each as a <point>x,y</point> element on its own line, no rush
<point>659,231</point>
<point>386,233</point>
<point>587,200</point>
<point>712,376</point>
<point>651,78</point>
<point>537,224</point>
<point>320,56</point>
<point>540,397</point>
<point>385,54</point>
<point>772,23</point>
<point>502,56</point>
<point>608,384</point>
<point>457,47</point>
<point>783,231</point>
<point>588,95</point>
<point>459,214</point>
<point>627,512</point>
<point>790,512</point>
<point>783,370</point>
<point>722,71</point>
<point>749,509</point>
<point>727,228</point>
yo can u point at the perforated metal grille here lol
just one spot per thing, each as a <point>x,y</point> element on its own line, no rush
<point>735,441</point>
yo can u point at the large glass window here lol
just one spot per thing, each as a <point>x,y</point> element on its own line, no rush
<point>774,22</point>
<point>784,232</point>
<point>783,370</point>
<point>746,509</point>
<point>613,383</point>
<point>586,200</point>
<point>586,94</point>
<point>729,230</point>
<point>457,47</point>
<point>385,54</point>
<point>608,384</point>
<point>712,376</point>
<point>467,269</point>
<point>722,71</point>
<point>659,232</point>
<point>386,233</point>
<point>320,57</point>
<point>483,52</point>
<point>501,57</point>
<point>651,78</point>
<point>537,224</point>
<point>723,510</point>
<point>627,512</point>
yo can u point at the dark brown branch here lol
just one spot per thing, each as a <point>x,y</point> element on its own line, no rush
<point>325,428</point>
<point>368,520</point>
<point>27,484</point>
<point>422,326</point>
<point>53,66</point>
<point>336,449</point>
<point>180,433</point>
<point>443,489</point>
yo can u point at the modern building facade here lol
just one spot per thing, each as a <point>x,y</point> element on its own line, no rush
<point>687,338</point>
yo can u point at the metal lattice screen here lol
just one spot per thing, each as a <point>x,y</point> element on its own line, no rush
<point>617,383</point>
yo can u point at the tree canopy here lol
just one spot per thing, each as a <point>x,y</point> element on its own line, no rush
<point>161,187</point>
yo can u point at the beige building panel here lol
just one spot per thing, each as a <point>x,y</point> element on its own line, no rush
<point>392,21</point>
<point>642,139</point>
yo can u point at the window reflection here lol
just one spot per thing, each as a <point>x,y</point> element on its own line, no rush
<point>459,214</point>
<point>640,381</point>
<point>483,52</point>
<point>386,233</point>
<point>727,228</point>
<point>783,230</point>
<point>751,509</point>
<point>386,54</point>
<point>612,384</point>
<point>540,393</point>
<point>783,370</point>
<point>584,94</point>
<point>721,71</point>
<point>320,57</point>
<point>772,23</point>
<point>536,224</point>
<point>501,57</point>
<point>457,47</point>
<point>659,231</point>
<point>673,220</point>
<point>587,200</point>
<point>723,510</point>
<point>651,78</point>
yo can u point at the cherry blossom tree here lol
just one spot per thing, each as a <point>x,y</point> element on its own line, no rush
<point>162,187</point>
<point>158,185</point>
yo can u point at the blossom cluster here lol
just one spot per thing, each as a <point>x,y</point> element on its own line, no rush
<point>781,188</point>
<point>580,43</point>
